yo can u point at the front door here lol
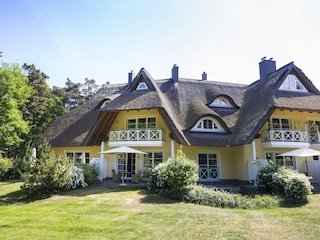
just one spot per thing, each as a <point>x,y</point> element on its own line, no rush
<point>208,166</point>
<point>126,162</point>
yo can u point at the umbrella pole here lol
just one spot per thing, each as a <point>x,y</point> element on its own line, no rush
<point>305,160</point>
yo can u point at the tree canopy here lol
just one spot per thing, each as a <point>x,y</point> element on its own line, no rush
<point>14,94</point>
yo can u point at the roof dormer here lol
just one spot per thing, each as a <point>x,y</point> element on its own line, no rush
<point>208,124</point>
<point>223,102</point>
<point>292,83</point>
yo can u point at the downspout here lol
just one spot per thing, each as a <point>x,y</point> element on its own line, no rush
<point>103,161</point>
<point>172,148</point>
<point>254,153</point>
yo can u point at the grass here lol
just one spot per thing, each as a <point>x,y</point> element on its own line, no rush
<point>105,212</point>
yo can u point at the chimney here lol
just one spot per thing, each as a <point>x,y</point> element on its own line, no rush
<point>175,73</point>
<point>130,75</point>
<point>266,67</point>
<point>204,76</point>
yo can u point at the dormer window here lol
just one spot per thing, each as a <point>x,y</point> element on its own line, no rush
<point>142,86</point>
<point>292,83</point>
<point>104,103</point>
<point>207,125</point>
<point>221,102</point>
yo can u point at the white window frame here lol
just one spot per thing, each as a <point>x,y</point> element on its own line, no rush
<point>151,157</point>
<point>280,118</point>
<point>136,119</point>
<point>221,102</point>
<point>208,166</point>
<point>292,83</point>
<point>202,125</point>
<point>285,159</point>
<point>142,86</point>
<point>84,157</point>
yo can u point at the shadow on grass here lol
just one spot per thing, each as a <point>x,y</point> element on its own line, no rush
<point>20,197</point>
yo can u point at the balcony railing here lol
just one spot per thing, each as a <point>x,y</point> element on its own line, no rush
<point>136,137</point>
<point>284,135</point>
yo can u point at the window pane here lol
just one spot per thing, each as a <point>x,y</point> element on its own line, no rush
<point>142,123</point>
<point>158,158</point>
<point>202,159</point>
<point>151,122</point>
<point>87,158</point>
<point>131,123</point>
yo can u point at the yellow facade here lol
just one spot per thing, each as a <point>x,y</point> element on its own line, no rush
<point>232,161</point>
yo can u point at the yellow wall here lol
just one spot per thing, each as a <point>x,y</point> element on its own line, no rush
<point>233,161</point>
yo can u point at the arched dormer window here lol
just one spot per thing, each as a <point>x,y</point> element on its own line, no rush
<point>104,103</point>
<point>221,102</point>
<point>207,124</point>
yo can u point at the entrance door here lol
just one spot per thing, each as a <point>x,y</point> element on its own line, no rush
<point>126,162</point>
<point>208,166</point>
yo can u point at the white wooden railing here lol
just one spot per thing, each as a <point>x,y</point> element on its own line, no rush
<point>136,135</point>
<point>284,135</point>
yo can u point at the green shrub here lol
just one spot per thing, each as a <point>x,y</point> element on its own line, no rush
<point>175,174</point>
<point>210,197</point>
<point>6,168</point>
<point>264,178</point>
<point>47,173</point>
<point>282,181</point>
<point>90,172</point>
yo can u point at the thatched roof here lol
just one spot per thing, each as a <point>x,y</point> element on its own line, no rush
<point>182,104</point>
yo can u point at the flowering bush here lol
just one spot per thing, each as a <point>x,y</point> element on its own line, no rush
<point>175,174</point>
<point>285,182</point>
<point>77,178</point>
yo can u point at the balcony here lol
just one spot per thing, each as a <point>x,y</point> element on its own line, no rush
<point>286,138</point>
<point>136,137</point>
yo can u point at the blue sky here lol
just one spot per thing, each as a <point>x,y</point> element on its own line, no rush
<point>104,39</point>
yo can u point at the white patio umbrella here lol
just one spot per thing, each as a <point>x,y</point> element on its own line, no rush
<point>301,152</point>
<point>123,149</point>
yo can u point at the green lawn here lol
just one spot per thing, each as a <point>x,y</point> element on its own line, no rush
<point>104,212</point>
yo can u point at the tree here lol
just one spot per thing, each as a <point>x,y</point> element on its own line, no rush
<point>47,173</point>
<point>43,106</point>
<point>75,94</point>
<point>14,93</point>
<point>88,89</point>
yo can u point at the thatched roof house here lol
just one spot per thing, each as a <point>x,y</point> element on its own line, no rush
<point>182,103</point>
<point>222,125</point>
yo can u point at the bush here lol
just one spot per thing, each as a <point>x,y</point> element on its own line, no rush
<point>279,180</point>
<point>46,173</point>
<point>175,174</point>
<point>77,178</point>
<point>210,197</point>
<point>90,172</point>
<point>6,168</point>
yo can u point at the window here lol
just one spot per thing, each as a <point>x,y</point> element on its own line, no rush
<point>314,131</point>
<point>221,102</point>
<point>292,83</point>
<point>142,86</point>
<point>152,159</point>
<point>126,163</point>
<point>79,157</point>
<point>104,103</point>
<point>280,123</point>
<point>207,125</point>
<point>208,166</point>
<point>287,161</point>
<point>142,123</point>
